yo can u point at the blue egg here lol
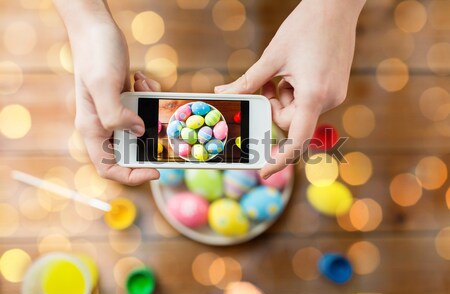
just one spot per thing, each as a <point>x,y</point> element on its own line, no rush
<point>200,108</point>
<point>262,203</point>
<point>214,146</point>
<point>174,129</point>
<point>171,177</point>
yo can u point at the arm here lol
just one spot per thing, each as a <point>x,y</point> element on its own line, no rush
<point>313,52</point>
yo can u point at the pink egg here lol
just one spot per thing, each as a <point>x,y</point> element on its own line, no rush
<point>183,112</point>
<point>159,127</point>
<point>184,149</point>
<point>220,130</point>
<point>189,209</point>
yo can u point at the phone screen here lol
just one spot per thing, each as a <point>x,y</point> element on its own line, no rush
<point>194,130</point>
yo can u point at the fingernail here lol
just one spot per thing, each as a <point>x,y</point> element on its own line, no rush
<point>138,130</point>
<point>141,75</point>
<point>145,85</point>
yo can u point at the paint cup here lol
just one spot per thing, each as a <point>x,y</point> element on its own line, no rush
<point>57,273</point>
<point>141,281</point>
<point>122,215</point>
<point>335,267</point>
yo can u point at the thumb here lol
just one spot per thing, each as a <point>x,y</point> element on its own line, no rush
<point>256,76</point>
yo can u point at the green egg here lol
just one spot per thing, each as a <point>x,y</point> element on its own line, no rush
<point>199,152</point>
<point>208,183</point>
<point>212,117</point>
<point>195,121</point>
<point>189,135</point>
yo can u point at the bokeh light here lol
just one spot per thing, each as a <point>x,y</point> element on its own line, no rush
<point>29,205</point>
<point>438,58</point>
<point>72,222</point>
<point>192,4</point>
<point>125,242</point>
<point>434,103</point>
<point>50,201</point>
<point>239,61</point>
<point>357,170</point>
<point>439,11</point>
<point>397,43</point>
<point>321,169</point>
<point>9,220</point>
<point>410,16</point>
<point>88,182</point>
<point>54,243</point>
<point>358,121</point>
<point>148,27</point>
<point>48,14</point>
<point>442,243</point>
<point>123,267</point>
<point>405,189</point>
<point>345,222</point>
<point>163,70</point>
<point>77,149</point>
<point>11,77</point>
<point>200,267</point>
<point>241,38</point>
<point>229,15</point>
<point>365,215</point>
<point>392,74</point>
<point>19,38</point>
<point>432,172</point>
<point>204,80</point>
<point>304,263</point>
<point>364,256</point>
<point>223,271</point>
<point>15,121</point>
<point>447,198</point>
<point>13,264</point>
<point>162,51</point>
<point>65,57</point>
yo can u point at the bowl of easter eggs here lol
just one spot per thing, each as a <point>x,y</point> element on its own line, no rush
<point>197,131</point>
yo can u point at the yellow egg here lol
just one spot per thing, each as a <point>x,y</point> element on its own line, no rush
<point>333,200</point>
<point>199,152</point>
<point>160,146</point>
<point>238,141</point>
<point>195,122</point>
<point>225,216</point>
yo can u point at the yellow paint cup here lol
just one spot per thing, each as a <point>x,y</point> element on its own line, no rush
<point>122,215</point>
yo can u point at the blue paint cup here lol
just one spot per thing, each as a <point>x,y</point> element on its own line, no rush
<point>335,267</point>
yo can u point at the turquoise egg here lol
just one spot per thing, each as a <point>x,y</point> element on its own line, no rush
<point>214,146</point>
<point>262,203</point>
<point>212,117</point>
<point>174,129</point>
<point>195,121</point>
<point>171,177</point>
<point>189,135</point>
<point>200,108</point>
<point>238,182</point>
<point>207,183</point>
<point>204,134</point>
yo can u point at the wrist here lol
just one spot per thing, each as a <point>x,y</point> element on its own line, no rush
<point>337,9</point>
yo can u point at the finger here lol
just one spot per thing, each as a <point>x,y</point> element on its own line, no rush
<point>151,85</point>
<point>256,76</point>
<point>100,151</point>
<point>300,130</point>
<point>269,90</point>
<point>285,92</point>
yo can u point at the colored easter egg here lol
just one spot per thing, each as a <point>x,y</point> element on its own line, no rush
<point>200,108</point>
<point>212,117</point>
<point>220,130</point>
<point>189,135</point>
<point>160,146</point>
<point>226,217</point>
<point>336,267</point>
<point>280,179</point>
<point>238,142</point>
<point>214,146</point>
<point>262,203</point>
<point>199,152</point>
<point>207,183</point>
<point>333,200</point>
<point>195,121</point>
<point>204,134</point>
<point>183,149</point>
<point>159,127</point>
<point>238,182</point>
<point>174,128</point>
<point>189,209</point>
<point>171,177</point>
<point>183,112</point>
<point>237,118</point>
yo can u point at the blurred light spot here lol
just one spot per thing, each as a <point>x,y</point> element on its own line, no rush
<point>162,51</point>
<point>124,19</point>
<point>239,61</point>
<point>127,241</point>
<point>304,263</point>
<point>11,77</point>
<point>29,205</point>
<point>241,288</point>
<point>321,169</point>
<point>447,198</point>
<point>241,38</point>
<point>184,83</point>
<point>439,10</point>
<point>434,103</point>
<point>358,121</point>
<point>54,242</point>
<point>204,80</point>
<point>200,267</point>
<point>77,149</point>
<point>366,215</point>
<point>147,27</point>
<point>228,15</point>
<point>89,183</point>
<point>72,222</point>
<point>332,200</point>
<point>192,4</point>
<point>84,247</point>
<point>123,267</point>
<point>432,172</point>
<point>397,43</point>
<point>364,256</point>
<point>15,121</point>
<point>88,212</point>
<point>405,189</point>
<point>60,172</point>
<point>345,223</point>
<point>309,222</point>
<point>48,14</point>
<point>357,170</point>
<point>223,271</point>
<point>19,38</point>
<point>438,58</point>
<point>410,16</point>
<point>162,227</point>
<point>392,74</point>
<point>160,67</point>
<point>65,57</point>
<point>442,243</point>
<point>50,201</point>
<point>53,57</point>
<point>9,220</point>
<point>13,265</point>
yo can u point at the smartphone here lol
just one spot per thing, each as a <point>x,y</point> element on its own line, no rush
<point>201,131</point>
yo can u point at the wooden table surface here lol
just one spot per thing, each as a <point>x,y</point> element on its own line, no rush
<point>400,54</point>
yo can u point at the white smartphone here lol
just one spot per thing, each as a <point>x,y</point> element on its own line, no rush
<point>201,131</point>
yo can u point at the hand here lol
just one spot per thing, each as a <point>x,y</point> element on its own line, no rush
<point>312,52</point>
